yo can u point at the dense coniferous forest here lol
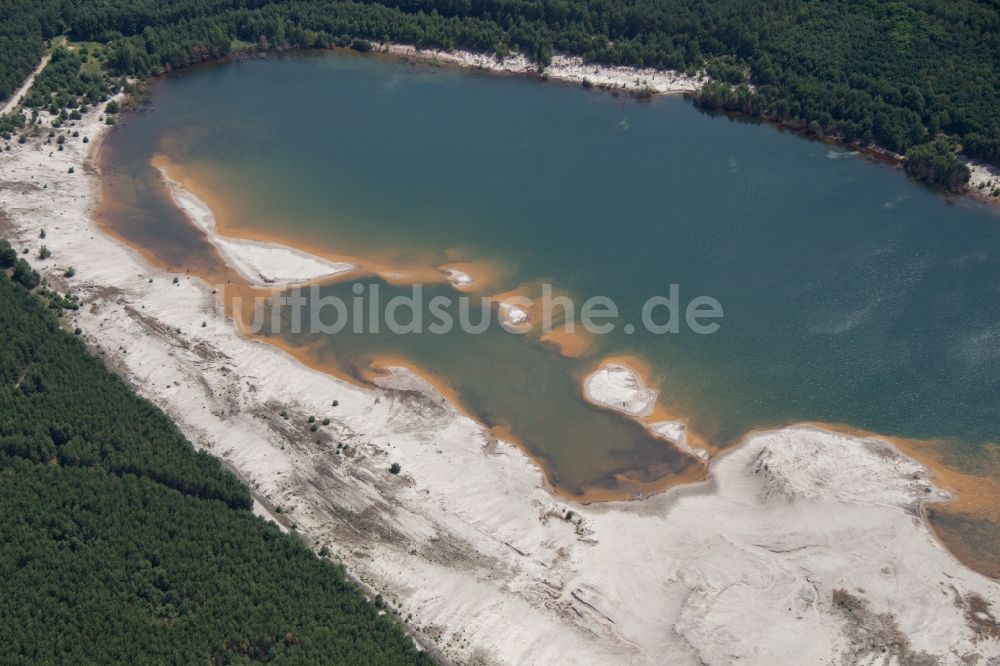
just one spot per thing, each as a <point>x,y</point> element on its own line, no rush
<point>891,73</point>
<point>121,544</point>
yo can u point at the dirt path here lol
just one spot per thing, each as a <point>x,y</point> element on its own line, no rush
<point>15,99</point>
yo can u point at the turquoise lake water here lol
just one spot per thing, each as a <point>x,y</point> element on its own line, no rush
<point>851,295</point>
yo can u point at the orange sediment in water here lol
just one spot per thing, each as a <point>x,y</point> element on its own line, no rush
<point>238,298</point>
<point>570,343</point>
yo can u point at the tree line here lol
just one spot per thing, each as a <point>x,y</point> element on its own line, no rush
<point>122,544</point>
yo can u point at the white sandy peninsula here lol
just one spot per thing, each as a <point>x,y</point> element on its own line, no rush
<point>803,547</point>
<point>261,264</point>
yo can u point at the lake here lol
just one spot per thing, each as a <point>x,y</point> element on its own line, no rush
<point>851,295</point>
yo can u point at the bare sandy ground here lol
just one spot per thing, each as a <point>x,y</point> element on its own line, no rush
<point>459,279</point>
<point>15,99</point>
<point>984,180</point>
<point>803,547</point>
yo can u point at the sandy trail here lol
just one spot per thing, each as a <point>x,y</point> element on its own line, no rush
<point>15,99</point>
<point>803,546</point>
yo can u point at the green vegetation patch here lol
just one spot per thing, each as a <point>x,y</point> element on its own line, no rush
<point>122,544</point>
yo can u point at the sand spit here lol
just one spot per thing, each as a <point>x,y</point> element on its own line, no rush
<point>676,432</point>
<point>15,99</point>
<point>259,263</point>
<point>617,386</point>
<point>805,546</point>
<point>458,279</point>
<point>570,69</point>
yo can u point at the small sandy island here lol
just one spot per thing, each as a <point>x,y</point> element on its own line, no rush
<point>469,276</point>
<point>259,263</point>
<point>804,546</point>
<point>517,311</point>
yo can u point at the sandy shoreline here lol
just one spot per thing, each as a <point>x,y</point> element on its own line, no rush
<point>797,523</point>
<point>984,180</point>
<point>568,69</point>
<point>255,255</point>
<point>260,264</point>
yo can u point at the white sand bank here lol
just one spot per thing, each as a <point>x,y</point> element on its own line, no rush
<point>261,264</point>
<point>458,279</point>
<point>617,387</point>
<point>759,565</point>
<point>570,69</point>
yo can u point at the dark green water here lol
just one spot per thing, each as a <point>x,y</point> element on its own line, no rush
<point>851,295</point>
